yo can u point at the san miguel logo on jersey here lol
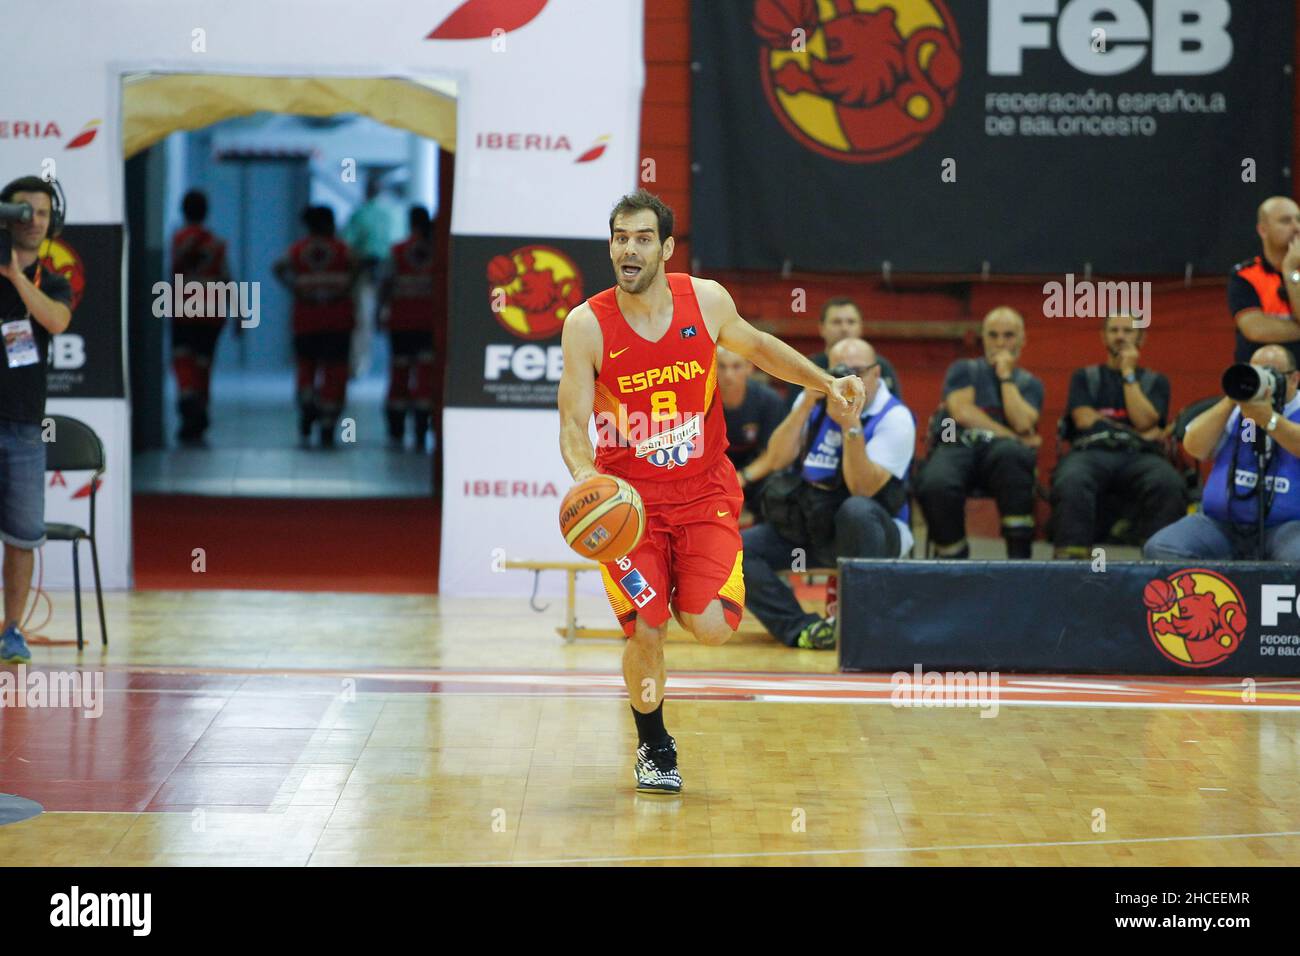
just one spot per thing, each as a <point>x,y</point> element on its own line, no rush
<point>859,81</point>
<point>533,289</point>
<point>672,448</point>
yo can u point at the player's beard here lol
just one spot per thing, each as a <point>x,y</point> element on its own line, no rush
<point>642,280</point>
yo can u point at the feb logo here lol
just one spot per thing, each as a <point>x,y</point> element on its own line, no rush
<point>859,81</point>
<point>533,289</point>
<point>62,258</point>
<point>1196,617</point>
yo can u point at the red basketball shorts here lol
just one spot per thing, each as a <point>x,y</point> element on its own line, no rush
<point>691,545</point>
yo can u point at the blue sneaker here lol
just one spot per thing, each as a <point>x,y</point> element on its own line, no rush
<point>13,649</point>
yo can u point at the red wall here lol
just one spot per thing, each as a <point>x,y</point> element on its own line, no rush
<point>1190,339</point>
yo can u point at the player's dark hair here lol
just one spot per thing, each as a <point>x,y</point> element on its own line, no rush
<point>641,199</point>
<point>833,301</point>
<point>319,220</point>
<point>195,206</point>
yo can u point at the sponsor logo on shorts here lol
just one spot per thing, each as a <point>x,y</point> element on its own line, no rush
<point>636,587</point>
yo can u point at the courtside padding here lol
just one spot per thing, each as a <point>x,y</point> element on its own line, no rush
<point>1231,619</point>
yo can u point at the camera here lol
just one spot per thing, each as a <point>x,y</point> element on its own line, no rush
<point>11,212</point>
<point>1255,383</point>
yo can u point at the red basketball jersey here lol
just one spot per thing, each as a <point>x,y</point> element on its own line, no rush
<point>322,299</point>
<point>658,414</point>
<point>412,305</point>
<point>199,256</point>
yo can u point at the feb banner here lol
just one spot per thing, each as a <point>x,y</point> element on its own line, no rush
<point>86,361</point>
<point>510,296</point>
<point>1015,136</point>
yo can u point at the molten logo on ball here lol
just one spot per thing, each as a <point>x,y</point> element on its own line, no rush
<point>532,290</point>
<point>1195,617</point>
<point>858,80</point>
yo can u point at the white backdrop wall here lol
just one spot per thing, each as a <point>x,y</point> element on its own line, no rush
<point>573,71</point>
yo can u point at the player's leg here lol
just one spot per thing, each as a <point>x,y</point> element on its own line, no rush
<point>711,626</point>
<point>637,588</point>
<point>709,570</point>
<point>643,667</point>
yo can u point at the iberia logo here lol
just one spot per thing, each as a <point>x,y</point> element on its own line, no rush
<point>476,19</point>
<point>860,81</point>
<point>85,137</point>
<point>1196,617</point>
<point>533,289</point>
<point>62,258</point>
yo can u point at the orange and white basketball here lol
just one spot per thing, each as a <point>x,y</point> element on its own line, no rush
<point>602,518</point>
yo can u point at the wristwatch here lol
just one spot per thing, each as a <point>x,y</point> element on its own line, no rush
<point>1130,377</point>
<point>854,432</point>
<point>1272,423</point>
<point>1295,276</point>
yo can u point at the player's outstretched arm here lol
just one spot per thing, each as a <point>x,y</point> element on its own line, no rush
<point>767,351</point>
<point>581,342</point>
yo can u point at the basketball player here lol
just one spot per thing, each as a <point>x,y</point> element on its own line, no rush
<point>641,357</point>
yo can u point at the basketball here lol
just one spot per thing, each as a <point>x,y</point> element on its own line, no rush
<point>602,518</point>
<point>1158,596</point>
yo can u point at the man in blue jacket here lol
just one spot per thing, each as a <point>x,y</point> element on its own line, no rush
<point>1226,529</point>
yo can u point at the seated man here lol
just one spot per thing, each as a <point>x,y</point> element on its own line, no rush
<point>842,319</point>
<point>1116,416</point>
<point>752,410</point>
<point>848,500</point>
<point>1226,529</point>
<point>988,438</point>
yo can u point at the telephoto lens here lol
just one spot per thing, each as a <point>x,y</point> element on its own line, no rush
<point>1252,383</point>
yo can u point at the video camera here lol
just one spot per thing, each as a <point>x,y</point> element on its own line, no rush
<point>11,212</point>
<point>1255,383</point>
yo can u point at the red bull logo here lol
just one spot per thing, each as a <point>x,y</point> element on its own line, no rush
<point>859,81</point>
<point>1195,617</point>
<point>533,289</point>
<point>62,258</point>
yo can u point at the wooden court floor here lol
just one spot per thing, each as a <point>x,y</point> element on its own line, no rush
<point>250,728</point>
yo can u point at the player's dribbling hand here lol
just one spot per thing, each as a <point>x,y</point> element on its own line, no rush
<point>582,474</point>
<point>846,391</point>
<point>846,416</point>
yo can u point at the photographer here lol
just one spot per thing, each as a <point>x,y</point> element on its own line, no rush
<point>34,305</point>
<point>1115,419</point>
<point>1231,432</point>
<point>847,500</point>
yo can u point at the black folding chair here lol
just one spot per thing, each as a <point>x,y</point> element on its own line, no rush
<point>76,447</point>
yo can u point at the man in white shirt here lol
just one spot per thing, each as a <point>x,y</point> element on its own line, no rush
<point>847,499</point>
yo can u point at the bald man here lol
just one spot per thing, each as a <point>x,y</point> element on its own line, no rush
<point>985,435</point>
<point>847,498</point>
<point>1264,292</point>
<point>1226,527</point>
